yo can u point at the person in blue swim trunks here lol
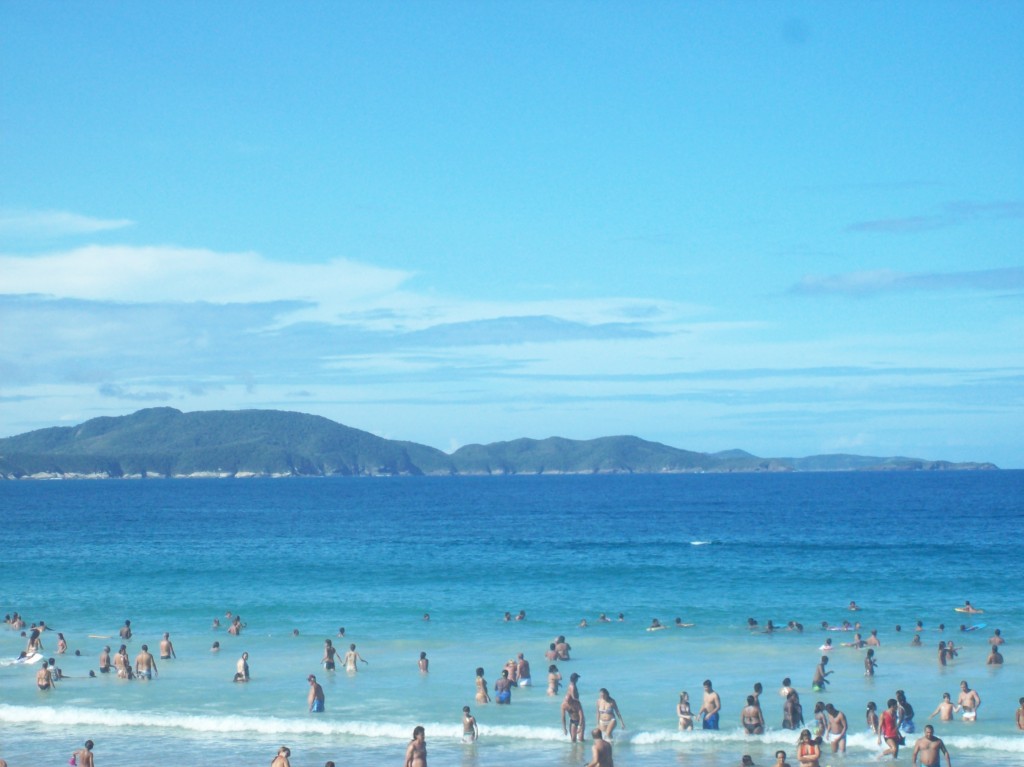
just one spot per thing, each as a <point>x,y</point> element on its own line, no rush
<point>503,689</point>
<point>708,713</point>
<point>316,696</point>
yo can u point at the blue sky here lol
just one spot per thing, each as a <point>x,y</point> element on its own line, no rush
<point>793,228</point>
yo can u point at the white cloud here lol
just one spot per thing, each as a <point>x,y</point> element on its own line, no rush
<point>54,223</point>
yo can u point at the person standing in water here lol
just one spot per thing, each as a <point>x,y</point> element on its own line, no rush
<point>711,707</point>
<point>608,714</point>
<point>482,696</point>
<point>330,659</point>
<point>602,751</point>
<point>316,696</point>
<point>416,753</point>
<point>351,657</point>
<point>470,731</point>
<point>930,748</point>
<point>820,675</point>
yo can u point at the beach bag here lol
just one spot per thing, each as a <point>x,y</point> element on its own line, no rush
<point>74,759</point>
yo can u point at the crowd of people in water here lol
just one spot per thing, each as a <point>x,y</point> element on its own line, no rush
<point>825,731</point>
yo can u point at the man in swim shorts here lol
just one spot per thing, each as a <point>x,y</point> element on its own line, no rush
<point>969,700</point>
<point>709,711</point>
<point>929,748</point>
<point>820,674</point>
<point>145,664</point>
<point>105,660</point>
<point>523,671</point>
<point>470,732</point>
<point>837,727</point>
<point>316,696</point>
<point>166,648</point>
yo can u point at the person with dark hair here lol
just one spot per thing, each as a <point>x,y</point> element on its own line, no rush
<point>711,707</point>
<point>416,753</point>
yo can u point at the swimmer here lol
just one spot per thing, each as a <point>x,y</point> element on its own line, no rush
<point>946,709</point>
<point>215,647</point>
<point>481,687</point>
<point>808,749</point>
<point>853,606</point>
<point>145,664</point>
<point>583,623</point>
<point>62,645</point>
<point>523,678</point>
<point>655,625</point>
<point>889,730</point>
<point>554,680</point>
<point>711,707</point>
<point>681,625</point>
<point>820,675</point>
<point>929,748</point>
<point>126,631</point>
<point>996,638</point>
<point>503,689</point>
<point>351,657</point>
<point>751,717</point>
<point>871,717</point>
<point>792,711</point>
<point>873,641</point>
<point>44,678</point>
<point>573,690</point>
<point>608,714</point>
<point>416,753</point>
<point>602,751</point>
<point>316,696</point>
<point>573,721</point>
<point>837,728</point>
<point>105,660</point>
<point>1020,714</point>
<point>904,712</point>
<point>870,664</point>
<point>602,618</point>
<point>780,759</point>
<point>281,760</point>
<point>995,658</point>
<point>857,643</point>
<point>242,668</point>
<point>969,608</point>
<point>166,648</point>
<point>423,664</point>
<point>683,711</point>
<point>83,757</point>
<point>827,646</point>
<point>470,732</point>
<point>968,701</point>
<point>562,649</point>
<point>330,658</point>
<point>521,615</point>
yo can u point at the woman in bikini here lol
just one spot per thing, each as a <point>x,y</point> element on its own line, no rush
<point>482,696</point>
<point>554,679</point>
<point>684,712</point>
<point>608,714</point>
<point>808,751</point>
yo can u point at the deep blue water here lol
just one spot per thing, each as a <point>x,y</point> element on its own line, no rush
<point>375,554</point>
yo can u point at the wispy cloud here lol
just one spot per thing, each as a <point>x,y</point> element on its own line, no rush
<point>887,281</point>
<point>950,214</point>
<point>46,224</point>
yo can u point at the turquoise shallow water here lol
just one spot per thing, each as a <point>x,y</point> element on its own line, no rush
<point>374,555</point>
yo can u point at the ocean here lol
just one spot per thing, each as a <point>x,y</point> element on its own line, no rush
<point>298,559</point>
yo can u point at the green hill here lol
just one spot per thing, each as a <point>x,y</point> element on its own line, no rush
<point>165,442</point>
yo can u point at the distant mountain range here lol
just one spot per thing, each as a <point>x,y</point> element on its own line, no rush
<point>165,442</point>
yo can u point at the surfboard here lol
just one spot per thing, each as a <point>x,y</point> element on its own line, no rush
<point>965,610</point>
<point>33,658</point>
<point>98,636</point>
<point>976,626</point>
